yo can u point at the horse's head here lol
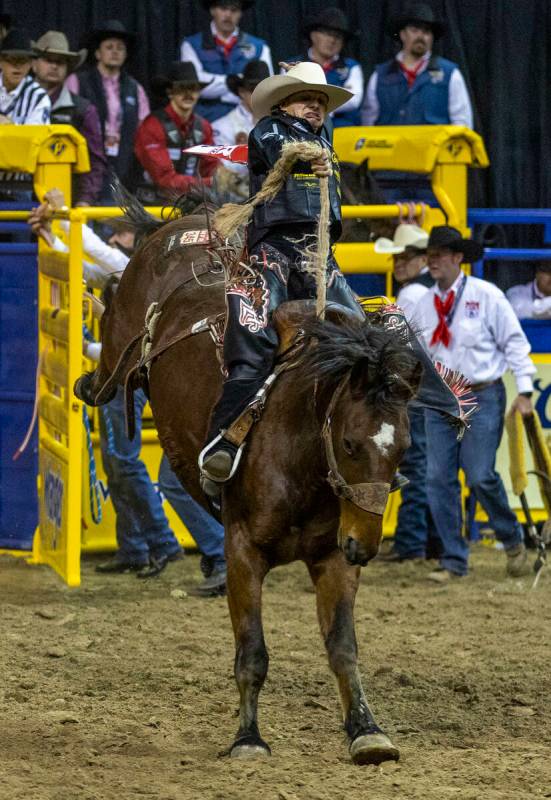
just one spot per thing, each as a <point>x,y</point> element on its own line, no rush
<point>367,376</point>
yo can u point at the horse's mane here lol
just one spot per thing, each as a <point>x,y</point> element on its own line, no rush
<point>380,363</point>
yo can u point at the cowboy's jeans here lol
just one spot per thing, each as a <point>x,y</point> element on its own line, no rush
<point>142,527</point>
<point>476,455</point>
<point>250,339</point>
<point>412,529</point>
<point>207,532</point>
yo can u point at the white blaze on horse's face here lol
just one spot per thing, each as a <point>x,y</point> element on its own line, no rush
<point>384,438</point>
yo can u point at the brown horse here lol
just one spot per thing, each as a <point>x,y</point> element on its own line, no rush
<point>316,470</point>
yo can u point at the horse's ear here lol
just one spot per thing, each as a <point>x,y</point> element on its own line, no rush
<point>363,376</point>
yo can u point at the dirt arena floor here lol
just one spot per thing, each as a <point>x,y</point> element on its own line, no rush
<point>124,689</point>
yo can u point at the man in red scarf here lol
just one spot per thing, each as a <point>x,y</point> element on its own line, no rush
<point>469,327</point>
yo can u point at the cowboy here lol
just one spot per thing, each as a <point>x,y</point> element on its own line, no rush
<point>533,300</point>
<point>53,61</point>
<point>120,100</point>
<point>417,87</point>
<point>163,135</point>
<point>328,32</point>
<point>468,325</point>
<point>291,108</point>
<point>220,51</point>
<point>22,100</point>
<point>414,525</point>
<point>234,127</point>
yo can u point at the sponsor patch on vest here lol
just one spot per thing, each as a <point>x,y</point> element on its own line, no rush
<point>248,50</point>
<point>436,75</point>
<point>472,309</point>
<point>200,237</point>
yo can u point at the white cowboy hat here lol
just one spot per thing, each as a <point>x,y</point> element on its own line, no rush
<point>303,77</point>
<point>404,236</point>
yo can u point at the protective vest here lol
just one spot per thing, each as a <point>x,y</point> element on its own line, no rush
<point>298,202</point>
<point>91,87</point>
<point>337,76</point>
<point>426,103</point>
<point>247,48</point>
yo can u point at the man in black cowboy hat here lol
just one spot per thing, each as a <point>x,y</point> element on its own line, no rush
<point>121,101</point>
<point>417,87</point>
<point>220,51</point>
<point>533,300</point>
<point>234,127</point>
<point>468,326</point>
<point>166,132</point>
<point>52,63</point>
<point>22,100</point>
<point>327,33</point>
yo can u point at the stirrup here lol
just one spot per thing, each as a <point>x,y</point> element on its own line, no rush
<point>204,452</point>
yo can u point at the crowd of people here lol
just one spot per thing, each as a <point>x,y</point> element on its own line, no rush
<point>467,324</point>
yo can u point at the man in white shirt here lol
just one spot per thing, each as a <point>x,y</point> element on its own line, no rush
<point>533,300</point>
<point>411,537</point>
<point>469,327</point>
<point>222,50</point>
<point>22,100</point>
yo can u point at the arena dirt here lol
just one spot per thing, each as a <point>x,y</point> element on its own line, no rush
<point>123,690</point>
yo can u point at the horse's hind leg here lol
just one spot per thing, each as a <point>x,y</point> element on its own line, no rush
<point>336,584</point>
<point>246,571</point>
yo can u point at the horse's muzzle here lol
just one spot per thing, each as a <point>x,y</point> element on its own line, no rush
<point>355,553</point>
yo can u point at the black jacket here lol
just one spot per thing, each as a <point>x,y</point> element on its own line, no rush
<point>297,205</point>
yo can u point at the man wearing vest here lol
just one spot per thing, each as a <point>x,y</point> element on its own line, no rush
<point>120,100</point>
<point>290,108</point>
<point>165,133</point>
<point>415,88</point>
<point>52,63</point>
<point>469,326</point>
<point>327,33</point>
<point>222,50</point>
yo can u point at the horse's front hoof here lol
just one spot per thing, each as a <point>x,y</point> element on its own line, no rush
<point>254,748</point>
<point>373,748</point>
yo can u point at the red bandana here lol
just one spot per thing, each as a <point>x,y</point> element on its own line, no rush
<point>226,44</point>
<point>442,333</point>
<point>411,74</point>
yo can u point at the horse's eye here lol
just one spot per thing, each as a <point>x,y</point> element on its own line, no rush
<point>347,446</point>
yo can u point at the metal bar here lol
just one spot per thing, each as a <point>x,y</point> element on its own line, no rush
<point>378,212</point>
<point>520,254</point>
<point>509,216</point>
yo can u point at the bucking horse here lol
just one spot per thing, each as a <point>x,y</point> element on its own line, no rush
<point>317,465</point>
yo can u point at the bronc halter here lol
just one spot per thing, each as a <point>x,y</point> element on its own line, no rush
<point>371,496</point>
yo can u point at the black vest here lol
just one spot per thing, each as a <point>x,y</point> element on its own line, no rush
<point>298,202</point>
<point>184,164</point>
<point>425,280</point>
<point>91,87</point>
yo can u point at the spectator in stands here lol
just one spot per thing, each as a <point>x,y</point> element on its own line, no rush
<point>328,32</point>
<point>120,100</point>
<point>234,127</point>
<point>22,100</point>
<point>146,542</point>
<point>469,327</point>
<point>417,87</point>
<point>533,300</point>
<point>162,136</point>
<point>411,273</point>
<point>220,51</point>
<point>52,63</point>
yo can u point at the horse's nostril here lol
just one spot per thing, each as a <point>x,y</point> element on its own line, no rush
<point>354,553</point>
